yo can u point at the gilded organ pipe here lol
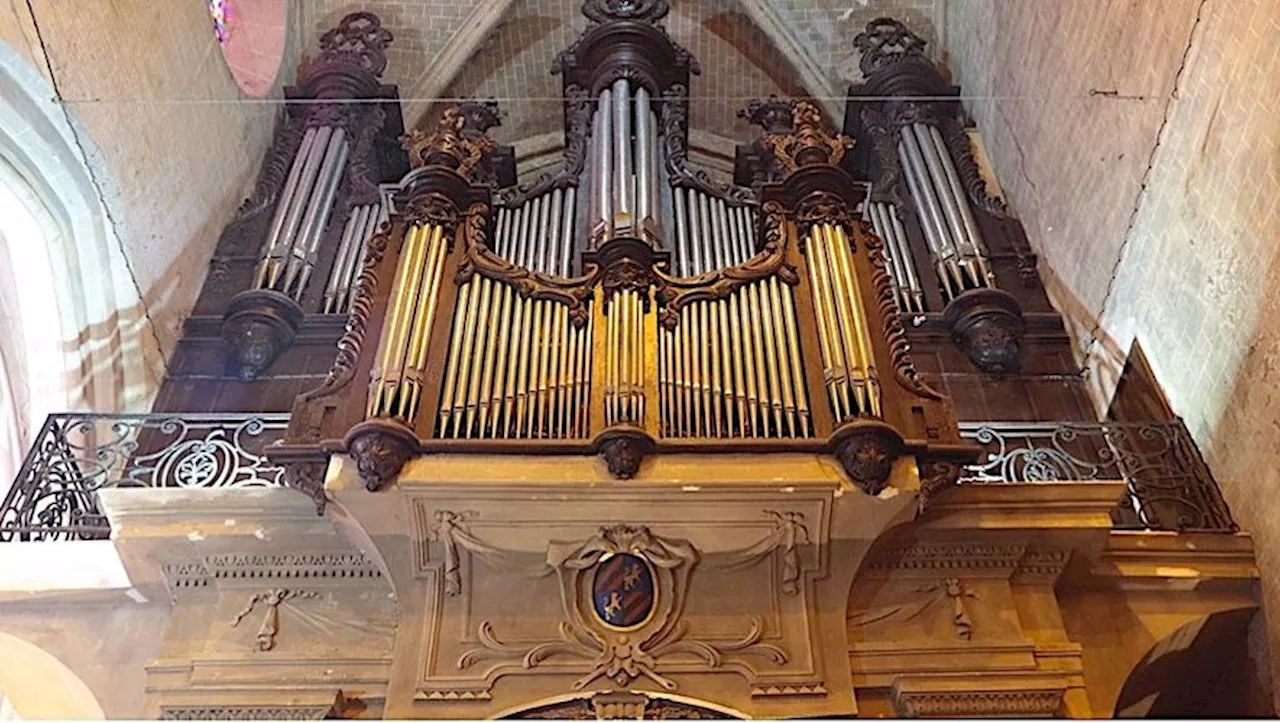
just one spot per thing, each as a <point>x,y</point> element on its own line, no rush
<point>398,375</point>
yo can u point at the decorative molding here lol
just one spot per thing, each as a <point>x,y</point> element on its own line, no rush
<point>273,599</point>
<point>349,346</point>
<point>948,556</point>
<point>978,704</point>
<point>621,706</point>
<point>245,712</point>
<point>1042,565</point>
<point>814,688</point>
<point>320,566</point>
<point>904,369</point>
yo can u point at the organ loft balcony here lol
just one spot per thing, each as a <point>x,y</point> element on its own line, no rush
<point>674,426</point>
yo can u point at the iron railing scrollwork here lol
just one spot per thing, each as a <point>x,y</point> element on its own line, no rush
<point>1170,486</point>
<point>54,496</point>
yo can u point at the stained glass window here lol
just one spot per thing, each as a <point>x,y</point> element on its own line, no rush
<point>220,10</point>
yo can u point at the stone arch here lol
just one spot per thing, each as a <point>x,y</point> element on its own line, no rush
<point>36,685</point>
<point>1214,666</point>
<point>76,336</point>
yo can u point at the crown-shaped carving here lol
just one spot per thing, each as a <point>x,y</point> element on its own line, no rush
<point>602,11</point>
<point>773,114</point>
<point>886,42</point>
<point>359,40</point>
<point>808,142</point>
<point>458,141</point>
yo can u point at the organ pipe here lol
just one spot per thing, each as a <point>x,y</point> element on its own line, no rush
<point>302,212</point>
<point>400,362</point>
<point>884,219</point>
<point>948,222</point>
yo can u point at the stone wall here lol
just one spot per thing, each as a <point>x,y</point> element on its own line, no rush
<point>1138,142</point>
<point>173,146</point>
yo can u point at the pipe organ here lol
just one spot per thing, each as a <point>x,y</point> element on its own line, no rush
<point>627,303</point>
<point>317,203</point>
<point>929,202</point>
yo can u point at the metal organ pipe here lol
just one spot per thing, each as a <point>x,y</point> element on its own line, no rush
<point>884,218</point>
<point>623,183</point>
<point>950,228</point>
<point>288,255</point>
<point>644,159</point>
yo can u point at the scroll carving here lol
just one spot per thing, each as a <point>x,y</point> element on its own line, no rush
<point>957,142</point>
<point>674,293</point>
<point>478,259</point>
<point>674,123</point>
<point>288,138</point>
<point>578,110</point>
<point>823,207</point>
<point>436,209</point>
<point>344,364</point>
<point>904,370</point>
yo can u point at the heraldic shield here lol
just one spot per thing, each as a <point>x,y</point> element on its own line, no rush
<point>623,590</point>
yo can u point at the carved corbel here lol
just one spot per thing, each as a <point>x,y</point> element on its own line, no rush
<point>257,326</point>
<point>308,478</point>
<point>380,448</point>
<point>627,263</point>
<point>623,449</point>
<point>987,325</point>
<point>866,449</point>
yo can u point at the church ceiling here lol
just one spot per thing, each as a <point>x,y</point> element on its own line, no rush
<point>747,49</point>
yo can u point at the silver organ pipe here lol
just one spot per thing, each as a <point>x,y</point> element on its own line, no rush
<point>950,228</point>
<point>623,184</point>
<point>884,219</point>
<point>362,224</point>
<point>624,170</point>
<point>302,212</point>
<point>644,160</point>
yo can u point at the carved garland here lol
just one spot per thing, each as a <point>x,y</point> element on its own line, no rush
<point>578,110</point>
<point>674,122</point>
<point>478,259</point>
<point>675,293</point>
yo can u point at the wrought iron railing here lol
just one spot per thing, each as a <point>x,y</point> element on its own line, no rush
<point>54,496</point>
<point>1170,486</point>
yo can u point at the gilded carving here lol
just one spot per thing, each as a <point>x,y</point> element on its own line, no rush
<point>451,143</point>
<point>808,142</point>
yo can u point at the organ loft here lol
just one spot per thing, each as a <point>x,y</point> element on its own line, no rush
<point>646,432</point>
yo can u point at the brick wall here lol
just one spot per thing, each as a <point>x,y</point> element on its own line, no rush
<point>1138,141</point>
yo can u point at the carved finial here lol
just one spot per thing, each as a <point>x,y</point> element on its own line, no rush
<point>886,42</point>
<point>602,11</point>
<point>458,140</point>
<point>358,40</point>
<point>808,142</point>
<point>773,114</point>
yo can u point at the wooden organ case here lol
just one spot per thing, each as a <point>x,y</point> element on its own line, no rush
<point>624,373</point>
